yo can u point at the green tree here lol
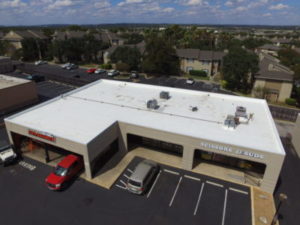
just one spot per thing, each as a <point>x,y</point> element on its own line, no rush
<point>128,55</point>
<point>289,57</point>
<point>252,43</point>
<point>4,47</point>
<point>160,56</point>
<point>239,69</point>
<point>132,38</point>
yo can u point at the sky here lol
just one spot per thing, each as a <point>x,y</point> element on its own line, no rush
<point>247,12</point>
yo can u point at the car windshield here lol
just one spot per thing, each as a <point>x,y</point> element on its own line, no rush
<point>60,171</point>
<point>135,183</point>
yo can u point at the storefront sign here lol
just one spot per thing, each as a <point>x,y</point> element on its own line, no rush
<point>43,135</point>
<point>231,150</point>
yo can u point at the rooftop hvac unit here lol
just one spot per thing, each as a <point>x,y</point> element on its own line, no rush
<point>231,122</point>
<point>164,95</point>
<point>241,111</point>
<point>152,104</point>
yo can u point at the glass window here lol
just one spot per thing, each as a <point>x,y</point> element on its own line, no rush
<point>60,171</point>
<point>135,183</point>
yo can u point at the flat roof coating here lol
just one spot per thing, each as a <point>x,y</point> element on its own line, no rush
<point>84,113</point>
<point>8,81</point>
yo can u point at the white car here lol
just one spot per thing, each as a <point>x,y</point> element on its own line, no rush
<point>40,62</point>
<point>66,65</point>
<point>190,81</point>
<point>98,71</point>
<point>113,73</point>
<point>7,155</point>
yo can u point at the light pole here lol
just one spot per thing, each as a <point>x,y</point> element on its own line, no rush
<point>282,197</point>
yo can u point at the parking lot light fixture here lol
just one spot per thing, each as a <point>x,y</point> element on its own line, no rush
<point>282,197</point>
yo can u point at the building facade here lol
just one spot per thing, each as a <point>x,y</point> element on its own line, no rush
<point>119,115</point>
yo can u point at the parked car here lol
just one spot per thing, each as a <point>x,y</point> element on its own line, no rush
<point>66,65</point>
<point>35,78</point>
<point>99,71</point>
<point>91,70</point>
<point>64,172</point>
<point>134,75</point>
<point>142,177</point>
<point>190,81</point>
<point>72,67</point>
<point>113,73</point>
<point>7,155</point>
<point>40,62</point>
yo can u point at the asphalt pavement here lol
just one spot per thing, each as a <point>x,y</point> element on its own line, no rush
<point>178,197</point>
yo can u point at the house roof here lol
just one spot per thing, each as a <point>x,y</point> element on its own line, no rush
<point>271,69</point>
<point>200,54</point>
<point>75,115</point>
<point>25,34</point>
<point>38,34</point>
<point>140,46</point>
<point>270,47</point>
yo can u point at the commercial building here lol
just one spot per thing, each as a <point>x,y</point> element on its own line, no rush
<point>224,130</point>
<point>16,93</point>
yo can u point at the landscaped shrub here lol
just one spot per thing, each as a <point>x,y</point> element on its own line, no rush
<point>200,73</point>
<point>122,67</point>
<point>290,101</point>
<point>106,66</point>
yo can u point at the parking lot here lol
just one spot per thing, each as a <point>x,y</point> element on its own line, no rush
<point>183,197</point>
<point>177,197</point>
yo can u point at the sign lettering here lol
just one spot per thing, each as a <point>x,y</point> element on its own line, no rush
<point>43,135</point>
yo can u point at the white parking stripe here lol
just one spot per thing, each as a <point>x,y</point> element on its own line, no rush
<point>193,178</point>
<point>129,170</point>
<point>126,176</point>
<point>123,182</point>
<point>171,202</point>
<point>119,186</point>
<point>215,184</point>
<point>154,184</point>
<point>239,191</point>
<point>224,208</point>
<point>172,172</point>
<point>199,197</point>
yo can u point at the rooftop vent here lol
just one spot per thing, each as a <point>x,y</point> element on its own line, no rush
<point>152,104</point>
<point>194,108</point>
<point>164,95</point>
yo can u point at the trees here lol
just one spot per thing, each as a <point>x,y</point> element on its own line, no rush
<point>128,55</point>
<point>252,43</point>
<point>239,69</point>
<point>289,57</point>
<point>133,38</point>
<point>160,56</point>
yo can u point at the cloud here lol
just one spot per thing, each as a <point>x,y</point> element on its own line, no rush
<point>193,2</point>
<point>278,7</point>
<point>12,4</point>
<point>267,14</point>
<point>102,4</point>
<point>63,3</point>
<point>130,2</point>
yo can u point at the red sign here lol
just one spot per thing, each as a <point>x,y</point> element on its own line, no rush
<point>43,135</point>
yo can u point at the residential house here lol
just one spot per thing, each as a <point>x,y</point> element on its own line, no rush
<point>281,41</point>
<point>65,35</point>
<point>114,39</point>
<point>107,53</point>
<point>196,59</point>
<point>16,37</point>
<point>274,81</point>
<point>269,49</point>
<point>1,35</point>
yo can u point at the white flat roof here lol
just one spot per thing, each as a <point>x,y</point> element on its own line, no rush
<point>84,113</point>
<point>8,81</point>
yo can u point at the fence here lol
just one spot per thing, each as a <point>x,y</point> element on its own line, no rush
<point>283,113</point>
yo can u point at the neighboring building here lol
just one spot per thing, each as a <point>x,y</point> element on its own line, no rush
<point>269,49</point>
<point>114,39</point>
<point>107,53</point>
<point>16,93</point>
<point>273,79</point>
<point>16,37</point>
<point>65,35</point>
<point>6,65</point>
<point>1,35</point>
<point>196,59</point>
<point>281,41</point>
<point>190,125</point>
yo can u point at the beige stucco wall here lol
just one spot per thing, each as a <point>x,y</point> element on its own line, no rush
<point>14,39</point>
<point>199,65</point>
<point>17,96</point>
<point>296,135</point>
<point>120,130</point>
<point>285,91</point>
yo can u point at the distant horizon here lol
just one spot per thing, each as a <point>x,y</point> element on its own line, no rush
<point>162,24</point>
<point>213,12</point>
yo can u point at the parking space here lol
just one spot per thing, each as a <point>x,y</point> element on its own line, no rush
<point>188,198</point>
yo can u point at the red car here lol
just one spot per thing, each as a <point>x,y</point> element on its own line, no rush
<point>67,169</point>
<point>92,70</point>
